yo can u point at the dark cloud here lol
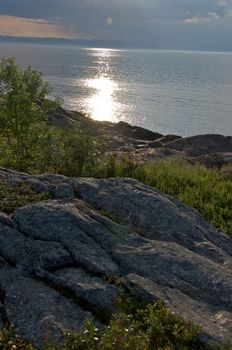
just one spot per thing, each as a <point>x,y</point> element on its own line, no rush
<point>137,21</point>
<point>162,9</point>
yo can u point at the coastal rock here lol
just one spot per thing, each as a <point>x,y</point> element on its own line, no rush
<point>144,145</point>
<point>202,144</point>
<point>63,260</point>
<point>136,132</point>
<point>210,150</point>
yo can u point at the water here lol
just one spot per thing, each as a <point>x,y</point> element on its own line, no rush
<point>185,93</point>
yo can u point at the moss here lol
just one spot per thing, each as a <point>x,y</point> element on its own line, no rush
<point>13,197</point>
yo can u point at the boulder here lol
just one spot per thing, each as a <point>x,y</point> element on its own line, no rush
<point>136,132</point>
<point>202,144</point>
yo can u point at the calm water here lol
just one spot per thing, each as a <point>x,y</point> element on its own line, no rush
<point>184,93</point>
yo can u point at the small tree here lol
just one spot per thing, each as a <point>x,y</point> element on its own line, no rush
<point>23,110</point>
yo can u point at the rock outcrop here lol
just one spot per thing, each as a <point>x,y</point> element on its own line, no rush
<point>59,258</point>
<point>144,145</point>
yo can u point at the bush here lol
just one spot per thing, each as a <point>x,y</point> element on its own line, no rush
<point>23,109</point>
<point>10,341</point>
<point>79,154</point>
<point>152,328</point>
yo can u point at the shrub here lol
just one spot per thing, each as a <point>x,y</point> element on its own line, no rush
<point>152,328</point>
<point>10,341</point>
<point>23,109</point>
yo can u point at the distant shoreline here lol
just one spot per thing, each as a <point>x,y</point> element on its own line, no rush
<point>81,43</point>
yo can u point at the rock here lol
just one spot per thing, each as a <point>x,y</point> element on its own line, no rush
<point>14,182</point>
<point>161,142</point>
<point>63,223</point>
<point>168,138</point>
<point>92,289</point>
<point>202,144</point>
<point>136,132</point>
<point>60,117</point>
<point>213,160</point>
<point>62,260</point>
<point>155,144</point>
<point>176,300</point>
<point>5,219</point>
<point>63,190</point>
<point>37,311</point>
<point>143,145</point>
<point>37,186</point>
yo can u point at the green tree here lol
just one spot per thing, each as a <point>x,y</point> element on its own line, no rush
<point>23,110</point>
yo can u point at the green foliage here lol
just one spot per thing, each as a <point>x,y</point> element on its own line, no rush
<point>207,190</point>
<point>129,304</point>
<point>27,141</point>
<point>79,153</point>
<point>10,341</point>
<point>151,328</point>
<point>23,108</point>
<point>13,197</point>
<point>217,346</point>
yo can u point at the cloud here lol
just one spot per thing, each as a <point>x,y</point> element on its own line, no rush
<point>211,16</point>
<point>139,22</point>
<point>29,27</point>
<point>222,2</point>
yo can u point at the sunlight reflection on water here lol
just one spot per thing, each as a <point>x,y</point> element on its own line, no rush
<point>102,103</point>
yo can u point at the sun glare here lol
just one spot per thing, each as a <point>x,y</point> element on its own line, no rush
<point>102,104</point>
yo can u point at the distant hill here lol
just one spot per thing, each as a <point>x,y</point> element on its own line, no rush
<point>64,41</point>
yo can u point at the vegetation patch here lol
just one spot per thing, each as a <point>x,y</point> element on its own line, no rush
<point>13,197</point>
<point>137,326</point>
<point>153,327</point>
<point>207,190</point>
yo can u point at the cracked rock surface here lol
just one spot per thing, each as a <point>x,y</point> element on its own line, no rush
<point>59,257</point>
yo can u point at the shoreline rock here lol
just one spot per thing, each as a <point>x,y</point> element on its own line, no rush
<point>143,145</point>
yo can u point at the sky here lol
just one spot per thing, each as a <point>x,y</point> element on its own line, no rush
<point>191,24</point>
